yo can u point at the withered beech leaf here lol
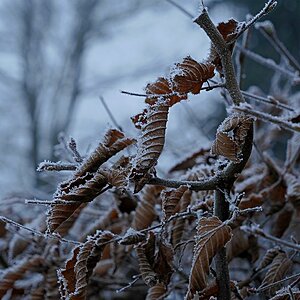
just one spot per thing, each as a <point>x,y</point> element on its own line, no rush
<point>118,174</point>
<point>179,224</point>
<point>238,244</point>
<point>268,258</point>
<point>145,212</point>
<point>132,237</point>
<point>88,181</point>
<point>212,235</point>
<point>151,144</point>
<point>278,269</point>
<point>189,75</point>
<point>231,136</point>
<point>162,87</point>
<point>163,261</point>
<point>170,201</point>
<point>75,276</point>
<point>145,254</point>
<point>156,291</point>
<point>17,271</point>
<point>61,217</point>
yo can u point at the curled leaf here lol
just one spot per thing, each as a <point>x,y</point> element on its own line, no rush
<point>212,236</point>
<point>170,201</point>
<point>17,271</point>
<point>156,291</point>
<point>150,145</point>
<point>278,269</point>
<point>189,75</point>
<point>75,276</point>
<point>231,136</point>
<point>145,212</point>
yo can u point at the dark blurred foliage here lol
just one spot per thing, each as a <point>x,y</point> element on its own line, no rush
<point>286,19</point>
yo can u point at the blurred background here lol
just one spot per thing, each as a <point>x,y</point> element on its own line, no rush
<point>57,57</point>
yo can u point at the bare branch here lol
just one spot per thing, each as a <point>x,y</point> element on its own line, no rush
<point>269,6</point>
<point>269,63</point>
<point>266,287</point>
<point>56,166</point>
<point>268,118</point>
<point>223,51</point>
<point>113,119</point>
<point>188,14</point>
<point>36,232</point>
<point>269,100</point>
<point>73,147</point>
<point>259,232</point>
<point>268,31</point>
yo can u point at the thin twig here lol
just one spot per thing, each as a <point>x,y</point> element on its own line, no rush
<point>269,6</point>
<point>56,166</point>
<point>130,284</point>
<point>268,31</point>
<point>269,63</point>
<point>268,118</point>
<point>270,100</point>
<point>50,202</point>
<point>259,232</point>
<point>188,14</point>
<point>38,233</point>
<point>224,52</point>
<point>240,58</point>
<point>113,119</point>
<point>73,147</point>
<point>153,96</point>
<point>266,287</point>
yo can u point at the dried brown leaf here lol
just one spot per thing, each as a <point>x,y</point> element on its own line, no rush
<point>268,258</point>
<point>231,136</point>
<point>278,269</point>
<point>212,236</point>
<point>171,199</point>
<point>75,276</point>
<point>151,145</point>
<point>156,291</point>
<point>145,212</point>
<point>189,75</point>
<point>162,87</point>
<point>17,271</point>
<point>163,262</point>
<point>149,276</point>
<point>179,224</point>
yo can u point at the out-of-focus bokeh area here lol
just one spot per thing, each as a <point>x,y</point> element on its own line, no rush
<point>58,56</point>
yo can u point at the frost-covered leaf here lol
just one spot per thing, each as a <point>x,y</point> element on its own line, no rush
<point>189,75</point>
<point>170,201</point>
<point>145,212</point>
<point>268,258</point>
<point>231,136</point>
<point>156,291</point>
<point>163,88</point>
<point>145,255</point>
<point>74,277</point>
<point>17,271</point>
<point>132,237</point>
<point>150,144</point>
<point>212,235</point>
<point>278,269</point>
